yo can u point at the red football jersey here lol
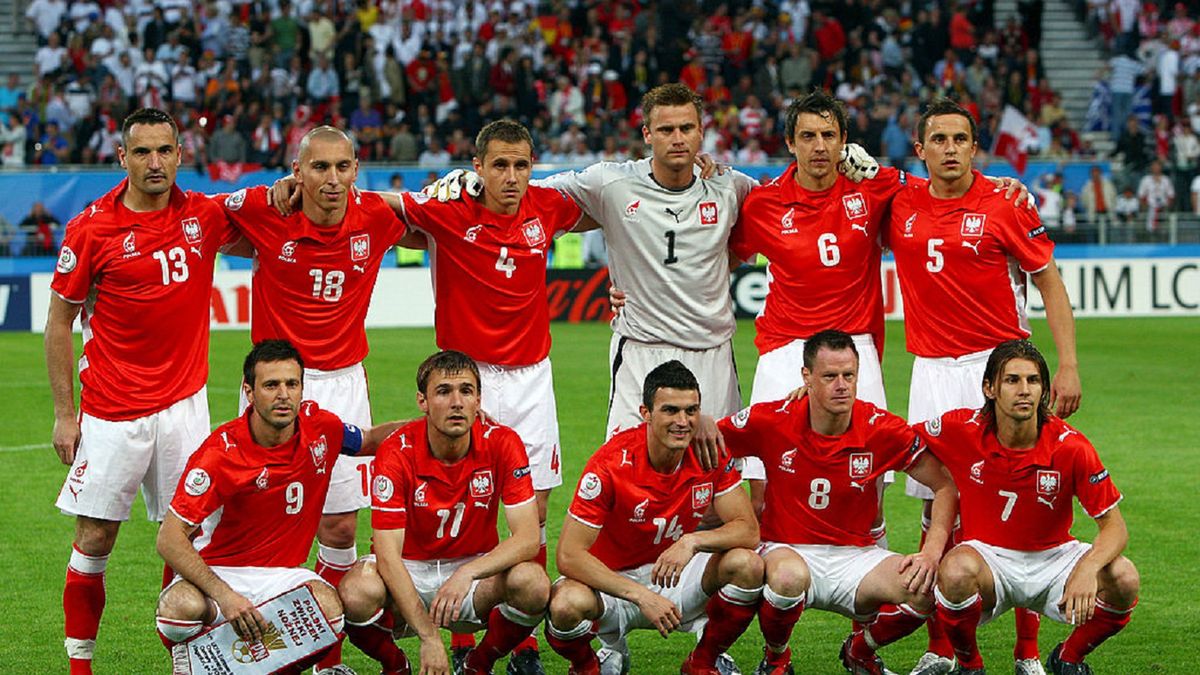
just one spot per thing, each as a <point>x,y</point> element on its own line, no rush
<point>312,285</point>
<point>640,512</point>
<point>256,506</point>
<point>448,510</point>
<point>824,254</point>
<point>145,282</point>
<point>961,264</point>
<point>1019,499</point>
<point>489,272</point>
<point>822,487</point>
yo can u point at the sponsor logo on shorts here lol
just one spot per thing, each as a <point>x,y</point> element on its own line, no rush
<point>81,469</point>
<point>861,464</point>
<point>197,482</point>
<point>1098,476</point>
<point>521,472</point>
<point>589,486</point>
<point>234,201</point>
<point>708,213</point>
<point>360,247</point>
<point>701,496</point>
<point>383,488</point>
<point>191,230</point>
<point>66,260</point>
<point>481,484</point>
<point>740,418</point>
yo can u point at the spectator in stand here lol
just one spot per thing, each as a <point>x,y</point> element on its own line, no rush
<point>1099,196</point>
<point>266,143</point>
<point>284,34</point>
<point>44,17</point>
<point>55,149</point>
<point>434,155</point>
<point>227,144</point>
<point>1168,80</point>
<point>12,142</point>
<point>50,60</point>
<point>1133,146</point>
<point>1124,71</point>
<point>6,237</point>
<point>39,227</point>
<point>322,82</point>
<point>962,34</point>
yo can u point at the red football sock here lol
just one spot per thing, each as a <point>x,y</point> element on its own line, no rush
<point>1028,623</point>
<point>83,605</point>
<point>1105,623</point>
<point>961,621</point>
<point>776,624</point>
<point>730,610</point>
<point>332,565</point>
<point>377,643</point>
<point>892,623</point>
<point>939,643</point>
<point>576,647</point>
<point>461,640</point>
<point>503,634</point>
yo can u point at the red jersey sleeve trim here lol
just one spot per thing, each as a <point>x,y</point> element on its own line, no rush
<point>1108,508</point>
<point>1038,269</point>
<point>591,525</point>
<point>520,503</point>
<point>389,509</point>
<point>917,455</point>
<point>729,489</point>
<point>191,524</point>
<point>66,299</point>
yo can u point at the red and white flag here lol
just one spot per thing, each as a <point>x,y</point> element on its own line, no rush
<point>1015,137</point>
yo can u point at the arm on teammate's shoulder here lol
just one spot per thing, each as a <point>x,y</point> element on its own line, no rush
<point>241,248</point>
<point>931,472</point>
<point>389,550</point>
<point>577,562</point>
<point>1066,390</point>
<point>740,528</point>
<point>374,436</point>
<point>1014,191</point>
<point>60,364</point>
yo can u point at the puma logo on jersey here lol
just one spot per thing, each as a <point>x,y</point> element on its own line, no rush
<point>625,458</point>
<point>1063,436</point>
<point>973,245</point>
<point>95,209</point>
<point>874,416</point>
<point>404,444</point>
<point>858,486</point>
<point>483,505</point>
<point>1047,502</point>
<point>862,227</point>
<point>197,251</point>
<point>360,269</point>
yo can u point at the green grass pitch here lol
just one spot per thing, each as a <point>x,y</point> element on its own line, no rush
<point>1139,408</point>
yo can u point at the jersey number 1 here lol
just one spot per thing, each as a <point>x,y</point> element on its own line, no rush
<point>671,258</point>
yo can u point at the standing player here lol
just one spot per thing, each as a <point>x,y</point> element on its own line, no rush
<point>1017,467</point>
<point>314,274</point>
<point>438,486</point>
<point>138,263</point>
<point>823,455</point>
<point>962,254</point>
<point>253,492</point>
<point>630,551</point>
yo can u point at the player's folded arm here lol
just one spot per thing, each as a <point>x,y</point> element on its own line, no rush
<point>740,528</point>
<point>929,471</point>
<point>576,562</point>
<point>389,550</point>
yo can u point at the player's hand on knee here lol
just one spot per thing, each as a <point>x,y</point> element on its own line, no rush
<point>709,167</point>
<point>616,299</point>
<point>433,657</point>
<point>1065,392</point>
<point>669,566</point>
<point>245,618</point>
<point>856,163</point>
<point>284,195</point>
<point>1078,603</point>
<point>447,603</point>
<point>661,612</point>
<point>66,439</point>
<point>708,443</point>
<point>918,571</point>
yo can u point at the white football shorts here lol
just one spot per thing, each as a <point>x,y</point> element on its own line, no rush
<point>342,392</point>
<point>522,397</point>
<point>114,457</point>
<point>630,361</point>
<point>778,374</point>
<point>259,584</point>
<point>1030,579</point>
<point>836,572</point>
<point>939,386</point>
<point>428,576</point>
<point>621,616</point>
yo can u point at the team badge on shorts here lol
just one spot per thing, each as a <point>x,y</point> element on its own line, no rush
<point>481,484</point>
<point>197,482</point>
<point>701,496</point>
<point>972,225</point>
<point>360,247</point>
<point>855,205</point>
<point>534,234</point>
<point>66,260</point>
<point>191,230</point>
<point>861,464</point>
<point>708,213</point>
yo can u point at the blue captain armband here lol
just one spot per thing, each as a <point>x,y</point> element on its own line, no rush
<point>352,440</point>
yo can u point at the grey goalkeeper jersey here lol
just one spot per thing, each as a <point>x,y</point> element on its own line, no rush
<point>667,249</point>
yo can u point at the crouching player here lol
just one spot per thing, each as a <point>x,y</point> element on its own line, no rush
<point>254,489</point>
<point>823,454</point>
<point>438,561</point>
<point>1017,467</point>
<point>630,552</point>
